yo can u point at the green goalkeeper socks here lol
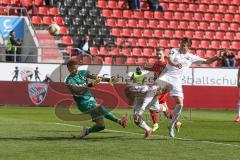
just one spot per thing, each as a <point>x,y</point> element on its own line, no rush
<point>109,115</point>
<point>96,129</point>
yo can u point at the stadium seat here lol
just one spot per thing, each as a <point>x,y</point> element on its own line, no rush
<point>98,60</point>
<point>201,53</point>
<point>168,15</point>
<point>153,43</point>
<point>163,43</point>
<point>204,44</point>
<point>192,7</point>
<point>131,42</point>
<point>209,35</point>
<point>136,52</point>
<point>203,26</point>
<point>198,16</point>
<point>163,24</point>
<point>144,5</point>
<point>137,14</point>
<point>164,5</point>
<point>116,32</point>
<point>36,20</point>
<point>131,60</point>
<point>120,41</point>
<point>103,51</point>
<point>102,4</point>
<point>86,60</point>
<point>38,3</point>
<point>94,50</point>
<point>142,42</point>
<point>174,43</point>
<point>189,34</point>
<point>193,25</point>
<point>158,33</point>
<point>63,30</point>
<point>147,33</point>
<point>121,23</point>
<point>212,8</point>
<point>228,17</point>
<point>47,20</point>
<point>236,17</point>
<point>225,44</point>
<point>127,14</point>
<point>108,60</point>
<point>178,15</point>
<point>58,20</point>
<point>53,11</point>
<point>67,40</point>
<point>148,14</point>
<point>208,17</point>
<point>222,9</point>
<point>137,32</point>
<point>122,4</point>
<point>132,23</point>
<point>6,2</point>
<point>216,2</point>
<point>226,1</point>
<point>147,52</point>
<point>173,24</point>
<point>237,36</point>
<point>117,14</point>
<point>183,25</point>
<point>142,23</point>
<point>158,15</point>
<point>182,7</point>
<point>202,8</point>
<point>42,10</point>
<point>76,58</point>
<point>232,8</point>
<point>195,43</point>
<point>179,33</point>
<point>110,22</point>
<point>198,34</point>
<point>235,45</point>
<point>210,53</point>
<point>213,26</point>
<point>112,4</point>
<point>153,24</point>
<point>126,52</point>
<point>114,52</point>
<point>229,36</point>
<point>152,60</point>
<point>218,17</point>
<point>236,2</point>
<point>215,44</point>
<point>223,26</point>
<point>172,6</point>
<point>120,60</point>
<point>168,33</point>
<point>219,35</point>
<point>141,60</point>
<point>106,13</point>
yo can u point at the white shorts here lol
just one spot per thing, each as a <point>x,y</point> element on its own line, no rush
<point>139,88</point>
<point>172,84</point>
<point>139,110</point>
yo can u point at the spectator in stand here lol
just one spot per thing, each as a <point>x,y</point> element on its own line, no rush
<point>84,46</point>
<point>11,42</point>
<point>135,4</point>
<point>154,5</point>
<point>228,59</point>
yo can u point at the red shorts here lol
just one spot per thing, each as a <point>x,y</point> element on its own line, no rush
<point>162,98</point>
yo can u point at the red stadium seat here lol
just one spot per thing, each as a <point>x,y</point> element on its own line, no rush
<point>117,14</point>
<point>174,43</point>
<point>210,53</point>
<point>226,1</point>
<point>228,17</point>
<point>102,4</point>
<point>120,60</point>
<point>235,45</point>
<point>153,24</point>
<point>163,43</point>
<point>144,5</point>
<point>148,33</point>
<point>63,30</point>
<point>112,4</point>
<point>76,58</point>
<point>141,60</point>
<point>103,51</point>
<point>147,52</point>
<point>215,44</point>
<point>218,17</point>
<point>132,42</point>
<point>172,6</point>
<point>152,60</point>
<point>232,8</point>
<point>53,11</point>
<point>142,42</point>
<point>168,15</point>
<point>201,53</point>
<point>108,60</point>
<point>202,8</point>
<point>136,52</point>
<point>192,7</point>
<point>163,24</point>
<point>236,17</point>
<point>121,23</point>
<point>58,20</point>
<point>236,2</point>
<point>193,25</point>
<point>198,16</point>
<point>237,36</point>
<point>153,43</point>
<point>38,3</point>
<point>47,20</point>
<point>110,22</point>
<point>126,52</point>
<point>158,33</point>
<point>148,14</point>
<point>164,5</point>
<point>213,26</point>
<point>212,8</point>
<point>36,20</point>
<point>209,35</point>
<point>67,40</point>
<point>114,51</point>
<point>158,15</point>
<point>225,44</point>
<point>208,17</point>
<point>203,26</point>
<point>182,7</point>
<point>120,41</point>
<point>43,10</point>
<point>189,34</point>
<point>131,60</point>
<point>168,33</point>
<point>183,25</point>
<point>106,13</point>
<point>137,14</point>
<point>204,44</point>
<point>198,34</point>
<point>86,60</point>
<point>6,2</point>
<point>116,32</point>
<point>223,26</point>
<point>142,23</point>
<point>219,35</point>
<point>94,50</point>
<point>173,24</point>
<point>127,14</point>
<point>98,60</point>
<point>132,23</point>
<point>195,43</point>
<point>179,33</point>
<point>137,32</point>
<point>229,36</point>
<point>178,15</point>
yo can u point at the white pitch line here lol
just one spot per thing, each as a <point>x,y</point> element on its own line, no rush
<point>178,138</point>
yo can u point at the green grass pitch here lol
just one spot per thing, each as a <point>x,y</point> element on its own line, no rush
<point>32,133</point>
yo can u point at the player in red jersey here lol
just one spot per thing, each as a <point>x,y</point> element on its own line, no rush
<point>158,68</point>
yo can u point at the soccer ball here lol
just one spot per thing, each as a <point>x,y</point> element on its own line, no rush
<point>53,29</point>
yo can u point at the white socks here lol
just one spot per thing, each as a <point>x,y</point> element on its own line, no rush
<point>239,110</point>
<point>144,125</point>
<point>176,114</point>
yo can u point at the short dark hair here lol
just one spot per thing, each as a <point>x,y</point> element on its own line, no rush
<point>187,40</point>
<point>71,63</point>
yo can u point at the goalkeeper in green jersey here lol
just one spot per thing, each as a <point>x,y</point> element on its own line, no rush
<point>77,82</point>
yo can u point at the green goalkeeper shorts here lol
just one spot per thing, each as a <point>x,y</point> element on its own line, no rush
<point>89,107</point>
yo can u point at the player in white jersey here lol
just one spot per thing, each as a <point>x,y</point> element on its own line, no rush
<point>179,59</point>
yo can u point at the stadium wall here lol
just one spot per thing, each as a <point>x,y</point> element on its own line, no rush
<point>207,88</point>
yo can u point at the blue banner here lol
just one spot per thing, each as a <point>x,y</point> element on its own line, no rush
<point>8,24</point>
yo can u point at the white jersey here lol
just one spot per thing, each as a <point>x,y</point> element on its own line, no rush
<point>185,60</point>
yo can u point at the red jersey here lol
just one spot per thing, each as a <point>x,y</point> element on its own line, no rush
<point>162,98</point>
